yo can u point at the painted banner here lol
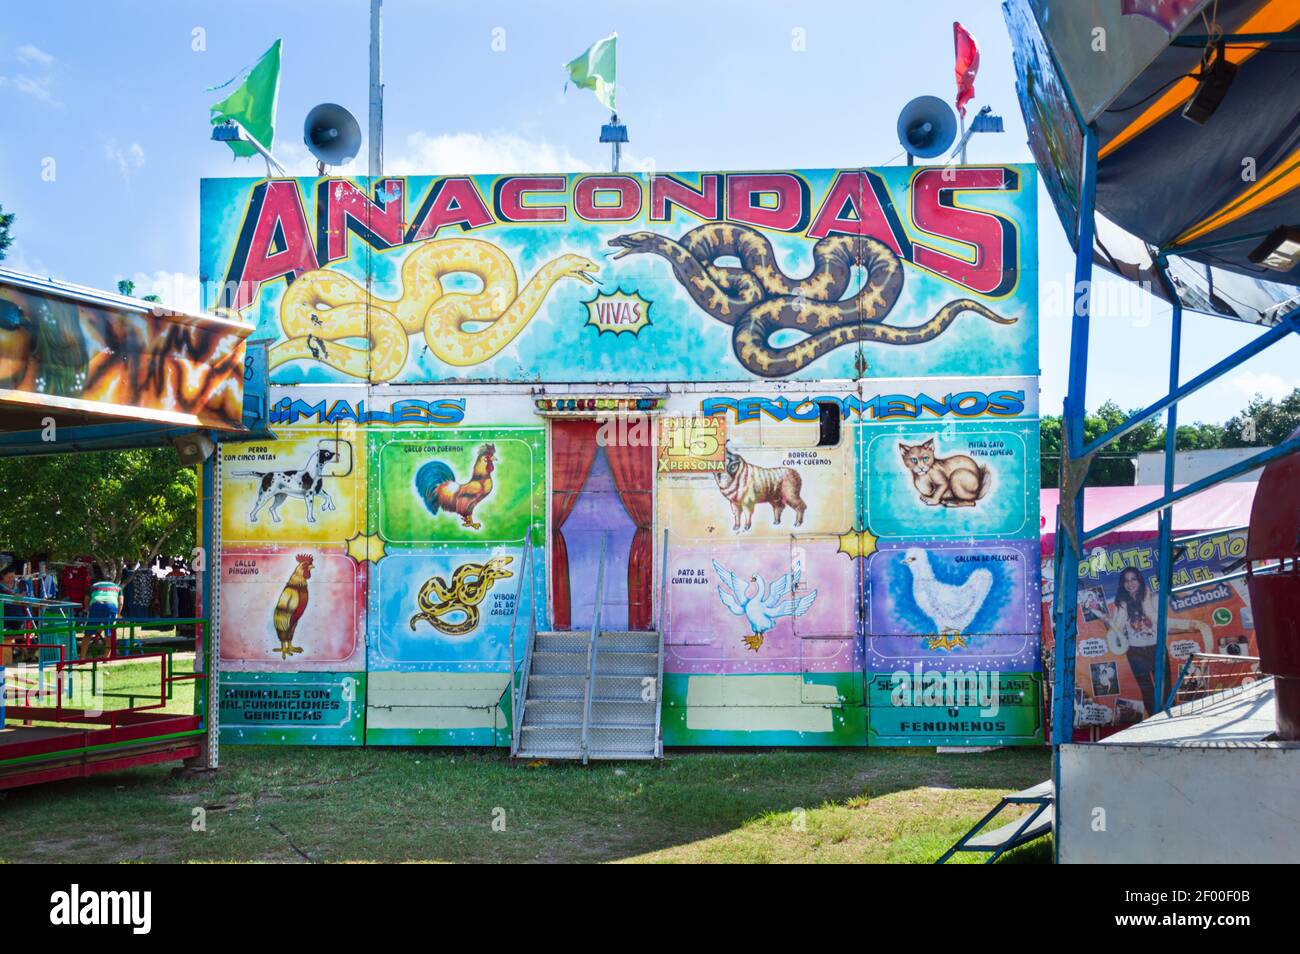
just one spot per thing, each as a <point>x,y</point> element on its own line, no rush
<point>1116,662</point>
<point>799,611</point>
<point>294,708</point>
<point>596,277</point>
<point>112,361</point>
<point>820,482</point>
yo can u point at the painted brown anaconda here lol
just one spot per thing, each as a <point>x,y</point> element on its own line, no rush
<point>758,299</point>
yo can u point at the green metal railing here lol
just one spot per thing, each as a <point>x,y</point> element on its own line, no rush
<point>59,645</point>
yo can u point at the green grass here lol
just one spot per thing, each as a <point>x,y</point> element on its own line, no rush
<point>292,804</point>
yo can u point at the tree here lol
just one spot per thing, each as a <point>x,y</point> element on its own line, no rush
<point>1113,465</point>
<point>127,287</point>
<point>6,221</point>
<point>116,506</point>
<point>1264,423</point>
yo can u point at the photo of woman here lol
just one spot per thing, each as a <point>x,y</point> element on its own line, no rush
<point>1132,633</point>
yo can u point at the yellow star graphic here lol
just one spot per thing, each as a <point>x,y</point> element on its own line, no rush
<point>857,543</point>
<point>365,547</point>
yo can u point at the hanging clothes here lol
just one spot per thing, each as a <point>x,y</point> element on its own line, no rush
<point>139,588</point>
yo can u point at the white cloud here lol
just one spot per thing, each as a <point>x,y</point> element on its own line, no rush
<point>1272,386</point>
<point>475,153</point>
<point>33,55</point>
<point>127,159</point>
<point>178,290</point>
<point>40,86</point>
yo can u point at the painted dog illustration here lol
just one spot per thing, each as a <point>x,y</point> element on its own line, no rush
<point>306,483</point>
<point>746,485</point>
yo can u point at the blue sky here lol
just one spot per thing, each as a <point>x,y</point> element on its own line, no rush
<point>105,129</point>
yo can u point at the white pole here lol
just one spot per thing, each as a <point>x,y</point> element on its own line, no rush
<point>963,139</point>
<point>376,91</point>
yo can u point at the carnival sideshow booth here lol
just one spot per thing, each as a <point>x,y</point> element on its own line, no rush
<point>807,514</point>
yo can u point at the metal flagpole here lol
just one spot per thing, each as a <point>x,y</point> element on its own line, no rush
<point>376,91</point>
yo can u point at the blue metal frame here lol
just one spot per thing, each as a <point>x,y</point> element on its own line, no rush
<point>1071,537</point>
<point>1043,803</point>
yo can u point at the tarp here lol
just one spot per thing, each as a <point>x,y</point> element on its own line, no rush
<point>1164,182</point>
<point>1222,507</point>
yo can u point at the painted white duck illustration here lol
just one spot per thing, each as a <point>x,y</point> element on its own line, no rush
<point>760,604</point>
<point>951,606</point>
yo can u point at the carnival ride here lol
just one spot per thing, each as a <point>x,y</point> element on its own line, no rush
<point>1168,136</point>
<point>85,370</point>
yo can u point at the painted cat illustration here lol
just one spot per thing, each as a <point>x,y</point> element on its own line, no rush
<point>746,485</point>
<point>956,481</point>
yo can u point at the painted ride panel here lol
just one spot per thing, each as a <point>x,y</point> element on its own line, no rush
<point>851,562</point>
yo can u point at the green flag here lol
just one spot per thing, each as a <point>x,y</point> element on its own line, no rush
<point>253,103</point>
<point>594,70</point>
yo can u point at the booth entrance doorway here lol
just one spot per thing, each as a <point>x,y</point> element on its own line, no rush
<point>601,497</point>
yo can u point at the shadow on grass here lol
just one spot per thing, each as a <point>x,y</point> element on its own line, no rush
<point>327,804</point>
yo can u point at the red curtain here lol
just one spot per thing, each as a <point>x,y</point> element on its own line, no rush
<point>633,469</point>
<point>573,450</point>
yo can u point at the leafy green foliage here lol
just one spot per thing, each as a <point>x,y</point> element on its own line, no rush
<point>127,287</point>
<point>117,506</point>
<point>6,239</point>
<point>1263,423</point>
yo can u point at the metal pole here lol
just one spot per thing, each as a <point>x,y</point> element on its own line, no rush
<point>1066,588</point>
<point>963,139</point>
<point>376,91</point>
<point>1068,546</point>
<point>1166,569</point>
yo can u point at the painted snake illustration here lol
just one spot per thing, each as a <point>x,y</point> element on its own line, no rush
<point>470,583</point>
<point>758,299</point>
<point>323,308</point>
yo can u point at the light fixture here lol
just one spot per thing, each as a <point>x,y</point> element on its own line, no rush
<point>1280,251</point>
<point>1212,84</point>
<point>613,131</point>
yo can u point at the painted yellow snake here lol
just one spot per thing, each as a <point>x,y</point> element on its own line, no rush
<point>324,308</point>
<point>470,583</point>
<point>758,299</point>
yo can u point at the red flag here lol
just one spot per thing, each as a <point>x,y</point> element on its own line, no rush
<point>968,64</point>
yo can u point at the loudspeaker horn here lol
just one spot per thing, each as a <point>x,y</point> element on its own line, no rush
<point>926,127</point>
<point>332,134</point>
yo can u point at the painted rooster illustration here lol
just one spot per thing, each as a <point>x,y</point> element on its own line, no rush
<point>436,484</point>
<point>291,605</point>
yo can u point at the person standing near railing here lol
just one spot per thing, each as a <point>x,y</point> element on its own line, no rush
<point>15,610</point>
<point>16,614</point>
<point>105,605</point>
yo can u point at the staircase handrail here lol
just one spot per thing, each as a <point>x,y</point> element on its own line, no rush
<point>591,647</point>
<point>663,642</point>
<point>519,687</point>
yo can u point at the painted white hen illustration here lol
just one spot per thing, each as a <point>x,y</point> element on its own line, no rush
<point>951,606</point>
<point>760,604</point>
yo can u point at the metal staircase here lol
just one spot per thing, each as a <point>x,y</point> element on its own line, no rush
<point>590,695</point>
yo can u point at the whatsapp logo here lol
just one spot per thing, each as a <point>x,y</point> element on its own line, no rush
<point>1222,616</point>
